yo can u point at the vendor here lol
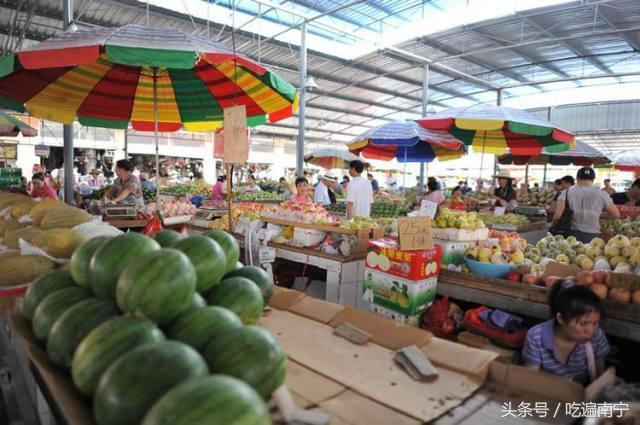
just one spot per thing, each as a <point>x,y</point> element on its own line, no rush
<point>455,201</point>
<point>434,193</point>
<point>126,187</point>
<point>252,186</point>
<point>302,191</point>
<point>40,189</point>
<point>564,344</point>
<point>631,197</point>
<point>219,189</point>
<point>321,192</point>
<point>505,194</point>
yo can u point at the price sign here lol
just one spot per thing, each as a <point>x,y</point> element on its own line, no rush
<point>499,211</point>
<point>236,138</point>
<point>428,208</point>
<point>623,280</point>
<point>414,233</point>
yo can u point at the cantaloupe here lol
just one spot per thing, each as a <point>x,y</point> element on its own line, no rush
<point>58,243</point>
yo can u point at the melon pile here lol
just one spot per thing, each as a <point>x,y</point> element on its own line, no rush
<point>161,330</point>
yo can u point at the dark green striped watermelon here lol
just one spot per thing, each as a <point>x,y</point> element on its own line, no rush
<point>258,276</point>
<point>229,245</point>
<point>211,400</point>
<point>238,265</point>
<point>158,285</point>
<point>166,238</point>
<point>110,260</point>
<point>53,306</point>
<point>74,325</point>
<point>197,301</point>
<point>105,344</point>
<point>207,257</point>
<point>197,328</point>
<point>135,381</point>
<point>43,286</point>
<point>239,295</point>
<point>249,353</point>
<point>81,258</point>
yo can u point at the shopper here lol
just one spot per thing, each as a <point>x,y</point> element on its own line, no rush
<point>40,189</point>
<point>505,194</point>
<point>567,182</point>
<point>360,194</point>
<point>126,187</point>
<point>302,191</point>
<point>631,197</point>
<point>464,187</point>
<point>587,203</point>
<point>557,186</point>
<point>284,188</point>
<point>434,193</point>
<point>607,187</point>
<point>321,192</point>
<point>219,189</point>
<point>374,183</point>
<point>252,185</point>
<point>146,183</point>
<point>565,344</point>
<point>345,183</point>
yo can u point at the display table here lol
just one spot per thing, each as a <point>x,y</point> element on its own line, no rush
<point>622,320</point>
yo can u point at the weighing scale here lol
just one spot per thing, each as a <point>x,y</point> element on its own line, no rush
<point>531,211</point>
<point>203,216</point>
<point>120,211</point>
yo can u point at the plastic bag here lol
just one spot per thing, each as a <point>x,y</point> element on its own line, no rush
<point>153,226</point>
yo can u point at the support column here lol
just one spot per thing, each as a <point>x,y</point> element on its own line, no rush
<point>425,104</point>
<point>301,100</point>
<point>544,175</point>
<point>67,133</point>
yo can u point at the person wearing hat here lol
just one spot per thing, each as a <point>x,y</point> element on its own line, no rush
<point>94,179</point>
<point>505,194</point>
<point>587,203</point>
<point>321,194</point>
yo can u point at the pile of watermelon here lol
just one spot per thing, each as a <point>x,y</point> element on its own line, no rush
<point>161,330</point>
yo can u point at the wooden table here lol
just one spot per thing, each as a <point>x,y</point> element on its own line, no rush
<point>126,223</point>
<point>622,320</point>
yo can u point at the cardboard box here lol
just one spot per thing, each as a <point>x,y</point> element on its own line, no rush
<point>452,252</point>
<point>404,319</point>
<point>384,255</point>
<point>401,295</point>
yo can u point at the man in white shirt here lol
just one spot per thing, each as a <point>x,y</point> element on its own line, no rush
<point>360,194</point>
<point>321,193</point>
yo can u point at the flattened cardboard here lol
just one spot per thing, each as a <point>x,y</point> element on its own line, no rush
<point>627,281</point>
<point>560,270</point>
<point>350,408</point>
<point>458,357</point>
<point>309,385</point>
<point>315,309</point>
<point>284,299</point>
<point>384,332</point>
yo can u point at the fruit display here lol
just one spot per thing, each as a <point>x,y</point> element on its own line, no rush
<point>390,206</point>
<point>625,226</point>
<point>508,219</point>
<point>337,208</point>
<point>306,213</point>
<point>64,217</point>
<point>478,196</point>
<point>197,187</point>
<point>537,197</point>
<point>390,224</point>
<point>113,345</point>
<point>58,243</point>
<point>493,254</point>
<point>23,269</point>
<point>447,218</point>
<point>259,196</point>
<point>149,195</point>
<point>173,208</point>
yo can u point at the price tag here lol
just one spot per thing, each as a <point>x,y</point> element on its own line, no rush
<point>266,254</point>
<point>428,208</point>
<point>623,280</point>
<point>499,211</point>
<point>414,233</point>
<point>236,139</point>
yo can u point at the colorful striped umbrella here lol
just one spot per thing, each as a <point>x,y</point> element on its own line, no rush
<point>626,161</point>
<point>110,77</point>
<point>11,127</point>
<point>406,142</point>
<point>498,130</point>
<point>582,155</point>
<point>330,158</point>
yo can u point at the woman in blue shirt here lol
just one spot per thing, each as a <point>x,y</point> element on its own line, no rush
<point>564,344</point>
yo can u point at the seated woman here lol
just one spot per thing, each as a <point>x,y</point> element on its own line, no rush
<point>571,344</point>
<point>455,201</point>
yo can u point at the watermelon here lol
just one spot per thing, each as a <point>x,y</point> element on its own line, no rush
<point>52,307</point>
<point>207,257</point>
<point>166,238</point>
<point>158,285</point>
<point>81,258</point>
<point>110,260</point>
<point>105,344</point>
<point>249,353</point>
<point>74,324</point>
<point>197,328</point>
<point>239,295</point>
<point>43,286</point>
<point>238,265</point>
<point>210,400</point>
<point>229,245</point>
<point>258,276</point>
<point>197,301</point>
<point>139,378</point>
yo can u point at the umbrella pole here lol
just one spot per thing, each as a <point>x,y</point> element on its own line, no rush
<point>404,176</point>
<point>526,175</point>
<point>155,134</point>
<point>228,171</point>
<point>544,175</point>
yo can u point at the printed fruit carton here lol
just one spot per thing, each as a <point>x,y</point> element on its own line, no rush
<point>452,252</point>
<point>403,319</point>
<point>397,294</point>
<point>385,256</point>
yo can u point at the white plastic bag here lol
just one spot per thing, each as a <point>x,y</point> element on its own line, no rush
<point>27,249</point>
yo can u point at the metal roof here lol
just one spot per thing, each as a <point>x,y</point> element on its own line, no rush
<point>538,50</point>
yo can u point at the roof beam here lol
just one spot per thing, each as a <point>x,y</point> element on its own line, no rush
<point>606,16</point>
<point>571,45</point>
<point>519,51</point>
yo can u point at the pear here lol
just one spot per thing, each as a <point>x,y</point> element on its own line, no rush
<point>611,251</point>
<point>517,257</point>
<point>572,239</point>
<point>559,238</point>
<point>597,242</point>
<point>471,252</point>
<point>629,251</point>
<point>498,258</point>
<point>495,249</point>
<point>586,264</point>
<point>635,260</point>
<point>617,260</point>
<point>484,255</point>
<point>562,258</point>
<point>620,241</point>
<point>580,258</point>
<point>635,241</point>
<point>622,268</point>
<point>592,252</point>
